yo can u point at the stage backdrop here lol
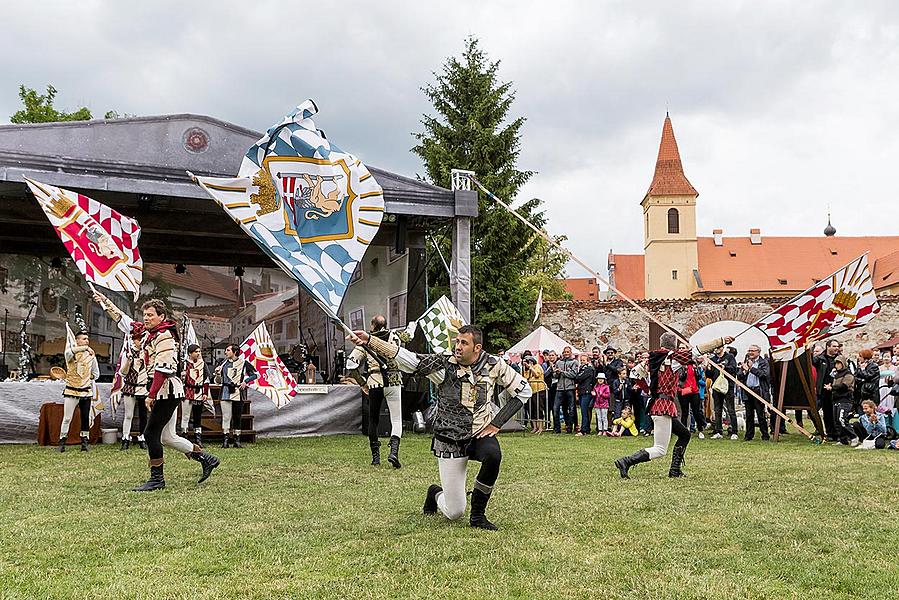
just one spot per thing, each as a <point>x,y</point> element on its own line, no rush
<point>339,411</point>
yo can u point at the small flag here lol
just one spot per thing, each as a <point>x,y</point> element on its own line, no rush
<point>274,380</point>
<point>310,206</point>
<point>102,242</point>
<point>839,302</point>
<point>440,325</point>
<point>539,306</point>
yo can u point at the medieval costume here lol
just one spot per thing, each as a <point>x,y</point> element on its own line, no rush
<point>166,390</point>
<point>133,371</point>
<point>665,368</point>
<point>464,409</point>
<point>81,373</point>
<point>231,374</point>
<point>196,389</point>
<point>384,382</point>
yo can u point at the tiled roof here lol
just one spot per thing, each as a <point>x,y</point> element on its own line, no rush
<point>629,275</point>
<point>787,264</point>
<point>582,288</point>
<point>886,270</point>
<point>199,279</point>
<point>669,178</point>
<point>287,308</point>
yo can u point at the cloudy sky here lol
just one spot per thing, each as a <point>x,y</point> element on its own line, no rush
<point>781,109</point>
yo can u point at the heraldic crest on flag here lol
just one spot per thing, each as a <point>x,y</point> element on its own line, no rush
<point>312,207</point>
<point>440,325</point>
<point>102,242</point>
<point>274,380</point>
<point>841,301</point>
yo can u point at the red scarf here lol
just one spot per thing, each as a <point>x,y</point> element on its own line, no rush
<point>164,326</point>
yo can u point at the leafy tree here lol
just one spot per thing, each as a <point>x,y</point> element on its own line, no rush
<point>39,108</point>
<point>471,131</point>
<point>546,270</point>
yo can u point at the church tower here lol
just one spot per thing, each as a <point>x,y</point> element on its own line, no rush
<point>669,225</point>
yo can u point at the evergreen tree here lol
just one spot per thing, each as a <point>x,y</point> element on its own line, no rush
<point>470,131</point>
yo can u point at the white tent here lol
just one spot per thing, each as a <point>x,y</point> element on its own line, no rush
<point>541,339</point>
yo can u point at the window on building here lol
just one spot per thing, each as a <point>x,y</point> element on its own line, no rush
<point>396,313</point>
<point>357,274</point>
<point>95,319</point>
<point>278,328</point>
<point>673,274</point>
<point>357,319</point>
<point>64,307</point>
<point>673,221</point>
<point>291,329</point>
<point>393,255</point>
<point>646,226</point>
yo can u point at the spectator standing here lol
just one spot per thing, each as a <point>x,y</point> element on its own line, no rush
<point>842,388</point>
<point>823,363</point>
<point>536,379</point>
<point>551,379</point>
<point>755,372</point>
<point>688,393</point>
<point>586,377</point>
<point>566,369</point>
<point>722,360</point>
<point>619,393</point>
<point>601,394</point>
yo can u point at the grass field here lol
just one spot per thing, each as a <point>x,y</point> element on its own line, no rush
<point>308,518</point>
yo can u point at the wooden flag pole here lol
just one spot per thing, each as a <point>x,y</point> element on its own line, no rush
<point>633,304</point>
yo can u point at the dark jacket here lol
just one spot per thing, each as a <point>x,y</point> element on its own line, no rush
<point>585,376</point>
<point>619,389</point>
<point>823,368</point>
<point>725,361</point>
<point>612,370</point>
<point>762,370</point>
<point>843,386</point>
<point>867,381</point>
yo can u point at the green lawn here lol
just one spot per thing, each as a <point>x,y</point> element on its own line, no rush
<point>308,518</point>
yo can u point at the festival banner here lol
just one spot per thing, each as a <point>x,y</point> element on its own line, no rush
<point>440,325</point>
<point>839,302</point>
<point>102,242</point>
<point>310,206</point>
<point>274,380</point>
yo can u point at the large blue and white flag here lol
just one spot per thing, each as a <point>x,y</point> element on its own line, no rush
<point>312,207</point>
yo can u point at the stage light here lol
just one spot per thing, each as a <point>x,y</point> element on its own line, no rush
<point>180,269</point>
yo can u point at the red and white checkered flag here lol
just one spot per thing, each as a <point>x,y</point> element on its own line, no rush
<point>274,380</point>
<point>841,301</point>
<point>102,242</point>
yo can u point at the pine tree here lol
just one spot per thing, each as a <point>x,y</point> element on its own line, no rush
<point>471,132</point>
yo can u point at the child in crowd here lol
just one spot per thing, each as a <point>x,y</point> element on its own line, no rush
<point>619,393</point>
<point>625,424</point>
<point>601,395</point>
<point>871,427</point>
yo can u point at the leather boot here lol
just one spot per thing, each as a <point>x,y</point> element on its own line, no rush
<point>126,443</point>
<point>62,444</point>
<point>208,461</point>
<point>84,443</point>
<point>430,507</point>
<point>375,452</point>
<point>626,462</point>
<point>155,482</point>
<point>198,438</point>
<point>236,441</point>
<point>141,443</point>
<point>394,457</point>
<point>677,461</point>
<point>225,441</point>
<point>477,518</point>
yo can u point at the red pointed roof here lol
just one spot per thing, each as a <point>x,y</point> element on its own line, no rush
<point>669,178</point>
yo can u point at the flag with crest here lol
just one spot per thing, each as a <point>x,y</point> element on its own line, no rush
<point>440,324</point>
<point>310,206</point>
<point>837,303</point>
<point>274,380</point>
<point>102,242</point>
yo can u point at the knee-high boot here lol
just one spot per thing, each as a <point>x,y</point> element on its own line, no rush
<point>394,456</point>
<point>677,461</point>
<point>375,452</point>
<point>626,462</point>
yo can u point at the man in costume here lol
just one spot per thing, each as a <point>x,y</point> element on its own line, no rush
<point>196,391</point>
<point>133,370</point>
<point>665,367</point>
<point>385,382</point>
<point>81,373</point>
<point>464,424</point>
<point>166,391</point>
<point>235,374</point>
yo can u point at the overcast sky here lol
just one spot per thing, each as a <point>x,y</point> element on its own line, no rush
<point>781,109</point>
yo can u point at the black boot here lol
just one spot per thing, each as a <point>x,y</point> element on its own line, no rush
<point>198,438</point>
<point>375,452</point>
<point>236,441</point>
<point>84,443</point>
<point>62,444</point>
<point>626,462</point>
<point>677,461</point>
<point>155,482</point>
<point>141,444</point>
<point>225,441</point>
<point>477,518</point>
<point>208,461</point>
<point>394,456</point>
<point>126,443</point>
<point>430,507</point>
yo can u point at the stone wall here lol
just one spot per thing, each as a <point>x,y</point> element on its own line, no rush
<point>599,323</point>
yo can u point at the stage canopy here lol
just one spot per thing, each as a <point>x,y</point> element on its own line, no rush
<point>542,339</point>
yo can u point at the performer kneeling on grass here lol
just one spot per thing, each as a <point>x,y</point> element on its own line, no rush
<point>196,390</point>
<point>665,366</point>
<point>385,382</point>
<point>235,374</point>
<point>166,391</point>
<point>81,372</point>
<point>464,426</point>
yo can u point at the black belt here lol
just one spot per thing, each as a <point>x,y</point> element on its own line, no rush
<point>75,389</point>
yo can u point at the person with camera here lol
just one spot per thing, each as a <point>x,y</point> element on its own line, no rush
<point>755,373</point>
<point>723,391</point>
